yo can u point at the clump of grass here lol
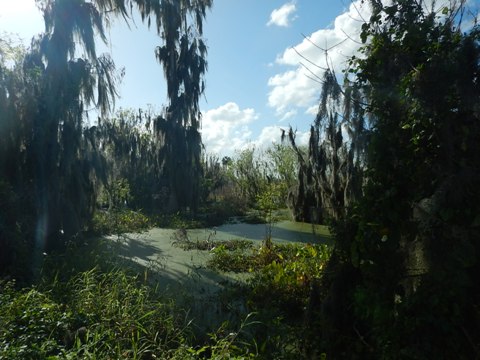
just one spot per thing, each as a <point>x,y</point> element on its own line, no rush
<point>225,343</point>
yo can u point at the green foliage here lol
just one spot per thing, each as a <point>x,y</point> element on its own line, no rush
<point>177,220</point>
<point>119,221</point>
<point>285,282</point>
<point>282,274</point>
<point>181,239</point>
<point>235,185</point>
<point>405,243</point>
<point>32,325</point>
<point>248,173</point>
<point>234,260</point>
<point>117,194</point>
<point>100,315</point>
<point>224,344</point>
<point>284,165</point>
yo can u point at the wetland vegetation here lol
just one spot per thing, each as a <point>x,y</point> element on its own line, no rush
<point>122,240</point>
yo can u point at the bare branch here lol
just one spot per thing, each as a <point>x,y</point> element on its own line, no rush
<point>311,72</point>
<point>352,39</point>
<point>311,62</point>
<point>318,47</point>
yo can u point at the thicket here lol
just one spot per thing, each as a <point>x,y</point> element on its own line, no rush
<point>402,280</point>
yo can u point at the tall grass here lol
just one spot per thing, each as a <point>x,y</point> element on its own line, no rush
<point>99,315</point>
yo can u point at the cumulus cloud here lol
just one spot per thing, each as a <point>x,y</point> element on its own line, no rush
<point>226,128</point>
<point>284,15</point>
<point>299,86</point>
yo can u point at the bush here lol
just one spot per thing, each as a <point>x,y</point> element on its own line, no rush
<point>119,221</point>
<point>285,282</point>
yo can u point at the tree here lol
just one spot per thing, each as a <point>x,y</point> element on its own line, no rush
<point>410,246</point>
<point>249,174</point>
<point>183,59</point>
<point>330,174</point>
<point>62,177</point>
<point>16,195</point>
<point>283,168</point>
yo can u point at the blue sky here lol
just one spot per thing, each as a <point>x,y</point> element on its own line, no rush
<point>256,83</point>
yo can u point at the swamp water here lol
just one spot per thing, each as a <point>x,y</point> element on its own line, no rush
<point>183,275</point>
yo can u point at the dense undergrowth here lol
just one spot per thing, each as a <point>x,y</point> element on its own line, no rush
<point>98,315</point>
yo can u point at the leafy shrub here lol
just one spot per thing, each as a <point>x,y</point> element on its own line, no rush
<point>32,325</point>
<point>119,221</point>
<point>236,260</point>
<point>282,274</point>
<point>285,282</point>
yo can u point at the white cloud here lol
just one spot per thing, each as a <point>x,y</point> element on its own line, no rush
<point>299,88</point>
<point>268,136</point>
<point>289,114</point>
<point>226,128</point>
<point>312,110</point>
<point>284,15</point>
